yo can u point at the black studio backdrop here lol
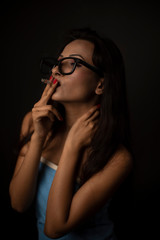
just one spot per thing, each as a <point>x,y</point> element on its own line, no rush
<point>31,30</point>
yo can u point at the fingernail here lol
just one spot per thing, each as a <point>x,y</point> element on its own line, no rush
<point>98,105</point>
<point>51,77</point>
<point>55,80</point>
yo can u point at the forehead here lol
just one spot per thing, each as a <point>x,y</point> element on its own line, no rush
<point>82,47</point>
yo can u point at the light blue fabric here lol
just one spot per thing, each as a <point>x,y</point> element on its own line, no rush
<point>99,227</point>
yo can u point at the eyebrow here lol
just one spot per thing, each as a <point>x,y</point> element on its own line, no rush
<point>71,55</point>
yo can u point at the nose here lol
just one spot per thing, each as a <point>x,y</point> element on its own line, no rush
<point>55,71</point>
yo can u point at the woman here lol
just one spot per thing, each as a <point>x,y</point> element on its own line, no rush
<point>78,152</point>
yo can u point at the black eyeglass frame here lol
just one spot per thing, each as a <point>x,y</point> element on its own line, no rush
<point>77,60</point>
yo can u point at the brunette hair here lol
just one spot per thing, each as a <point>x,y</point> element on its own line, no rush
<point>114,126</point>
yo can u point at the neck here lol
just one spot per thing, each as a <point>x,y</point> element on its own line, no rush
<point>73,111</point>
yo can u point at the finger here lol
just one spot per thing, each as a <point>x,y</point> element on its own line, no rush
<point>38,116</point>
<point>93,125</point>
<point>46,90</point>
<point>96,123</point>
<point>47,87</point>
<point>88,115</point>
<point>49,93</point>
<point>53,86</point>
<point>94,116</point>
<point>93,120</point>
<point>48,108</point>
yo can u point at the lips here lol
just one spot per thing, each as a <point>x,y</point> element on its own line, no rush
<point>54,80</point>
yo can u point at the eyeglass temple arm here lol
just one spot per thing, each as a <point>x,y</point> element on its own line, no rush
<point>95,69</point>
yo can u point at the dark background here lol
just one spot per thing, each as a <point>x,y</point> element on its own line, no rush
<point>30,30</point>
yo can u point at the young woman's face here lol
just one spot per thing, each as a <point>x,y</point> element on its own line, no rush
<point>81,84</point>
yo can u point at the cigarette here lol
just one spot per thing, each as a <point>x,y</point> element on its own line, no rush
<point>45,81</point>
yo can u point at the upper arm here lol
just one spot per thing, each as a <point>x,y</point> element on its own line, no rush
<point>26,128</point>
<point>99,188</point>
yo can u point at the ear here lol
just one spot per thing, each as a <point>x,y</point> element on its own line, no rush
<point>100,87</point>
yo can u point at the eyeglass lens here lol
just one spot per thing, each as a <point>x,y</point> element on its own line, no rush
<point>47,65</point>
<point>66,66</point>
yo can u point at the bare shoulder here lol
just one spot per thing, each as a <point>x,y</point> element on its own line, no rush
<point>122,156</point>
<point>107,181</point>
<point>120,164</point>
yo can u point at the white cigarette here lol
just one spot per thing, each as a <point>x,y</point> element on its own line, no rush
<point>45,80</point>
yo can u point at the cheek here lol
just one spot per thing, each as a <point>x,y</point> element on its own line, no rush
<point>83,84</point>
<point>77,87</point>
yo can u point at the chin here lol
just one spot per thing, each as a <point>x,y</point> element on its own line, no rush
<point>70,99</point>
<point>59,98</point>
<point>56,97</point>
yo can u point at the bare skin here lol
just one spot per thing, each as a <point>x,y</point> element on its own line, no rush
<point>79,126</point>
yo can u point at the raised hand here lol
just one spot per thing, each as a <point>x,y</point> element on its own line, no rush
<point>43,114</point>
<point>84,128</point>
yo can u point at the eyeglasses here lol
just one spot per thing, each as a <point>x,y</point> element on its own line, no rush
<point>66,66</point>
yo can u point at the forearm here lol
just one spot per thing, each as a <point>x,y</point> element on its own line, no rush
<point>23,184</point>
<point>61,192</point>
<point>62,214</point>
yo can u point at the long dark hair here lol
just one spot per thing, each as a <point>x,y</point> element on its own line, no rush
<point>114,127</point>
